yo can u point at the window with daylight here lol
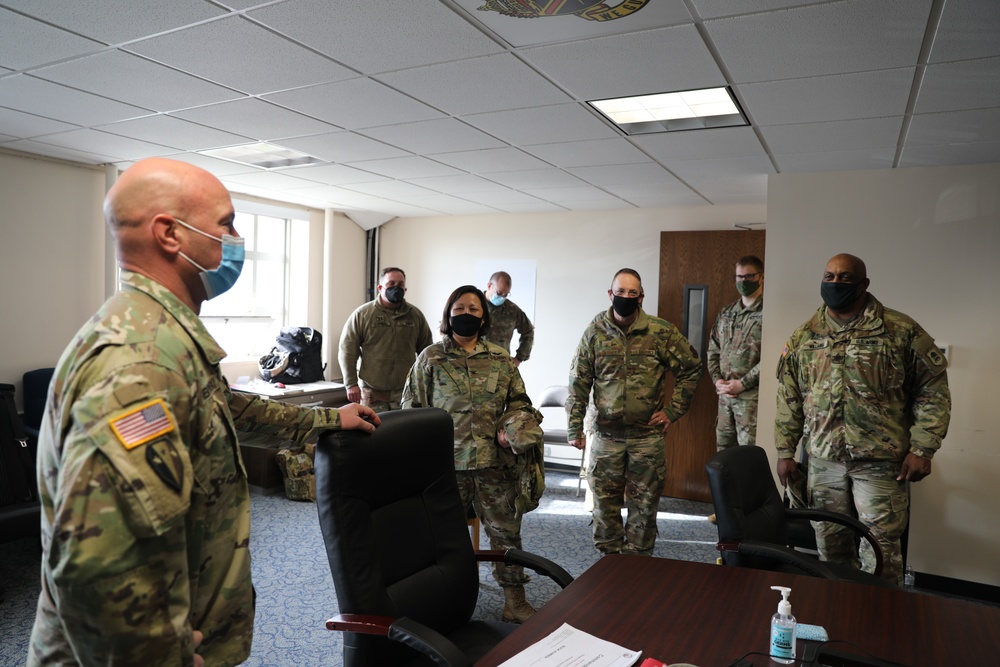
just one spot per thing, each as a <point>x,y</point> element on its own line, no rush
<point>246,319</point>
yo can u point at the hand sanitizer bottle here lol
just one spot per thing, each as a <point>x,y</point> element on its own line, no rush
<point>783,629</point>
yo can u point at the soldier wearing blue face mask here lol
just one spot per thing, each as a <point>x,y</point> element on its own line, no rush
<point>145,502</point>
<point>506,318</point>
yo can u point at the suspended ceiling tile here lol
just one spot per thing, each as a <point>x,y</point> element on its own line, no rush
<point>133,80</point>
<point>963,85</point>
<point>451,205</point>
<point>343,147</point>
<point>588,153</point>
<point>697,173</point>
<point>842,135</point>
<point>831,38</point>
<point>61,152</point>
<point>255,118</point>
<point>333,174</point>
<point>945,154</point>
<point>389,189</point>
<point>476,85</point>
<point>242,55</point>
<point>408,167</point>
<point>116,21</point>
<point>708,9</point>
<point>26,43</point>
<point>537,207</point>
<point>353,104</point>
<point>533,179</point>
<point>379,36</point>
<point>272,180</point>
<point>460,184</point>
<point>954,127</point>
<point>503,197</point>
<point>603,67</point>
<point>543,125</point>
<point>31,95</point>
<point>429,137</point>
<point>700,144</point>
<point>835,97</point>
<point>174,132</point>
<point>214,165</point>
<point>865,158</point>
<point>25,125</point>
<point>491,161</point>
<point>572,194</point>
<point>102,143</point>
<point>968,29</point>
<point>637,174</point>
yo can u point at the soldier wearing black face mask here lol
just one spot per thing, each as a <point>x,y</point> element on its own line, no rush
<point>865,389</point>
<point>386,334</point>
<point>624,357</point>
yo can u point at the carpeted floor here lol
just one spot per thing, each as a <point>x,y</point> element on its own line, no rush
<point>295,590</point>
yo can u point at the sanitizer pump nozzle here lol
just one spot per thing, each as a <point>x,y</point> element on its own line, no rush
<point>783,629</point>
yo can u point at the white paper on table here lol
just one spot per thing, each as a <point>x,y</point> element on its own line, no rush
<point>569,647</point>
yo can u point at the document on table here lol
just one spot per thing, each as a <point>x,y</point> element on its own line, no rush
<point>569,647</point>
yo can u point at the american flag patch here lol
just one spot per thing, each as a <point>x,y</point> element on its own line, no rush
<point>141,425</point>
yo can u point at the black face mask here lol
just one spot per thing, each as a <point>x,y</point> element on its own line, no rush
<point>394,294</point>
<point>624,305</point>
<point>838,296</point>
<point>465,324</point>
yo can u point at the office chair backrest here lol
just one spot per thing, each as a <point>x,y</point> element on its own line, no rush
<point>554,396</point>
<point>746,500</point>
<point>394,528</point>
<point>36,390</point>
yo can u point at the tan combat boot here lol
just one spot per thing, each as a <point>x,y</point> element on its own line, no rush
<point>515,608</point>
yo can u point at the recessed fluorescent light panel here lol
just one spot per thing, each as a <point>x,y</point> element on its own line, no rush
<point>263,156</point>
<point>673,112</point>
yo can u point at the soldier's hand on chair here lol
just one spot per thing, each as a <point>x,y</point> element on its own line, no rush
<point>914,469</point>
<point>356,417</point>
<point>579,443</point>
<point>787,469</point>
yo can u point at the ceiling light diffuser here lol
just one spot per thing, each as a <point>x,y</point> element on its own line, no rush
<point>670,112</point>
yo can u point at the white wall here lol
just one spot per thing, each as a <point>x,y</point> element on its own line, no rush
<point>577,255</point>
<point>52,259</point>
<point>931,242</point>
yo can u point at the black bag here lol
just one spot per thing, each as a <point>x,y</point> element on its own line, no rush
<point>296,358</point>
<point>17,454</point>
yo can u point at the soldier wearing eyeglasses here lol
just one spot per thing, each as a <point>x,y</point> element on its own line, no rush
<point>734,357</point>
<point>624,357</point>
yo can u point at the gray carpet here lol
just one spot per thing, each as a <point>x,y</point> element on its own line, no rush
<point>295,590</point>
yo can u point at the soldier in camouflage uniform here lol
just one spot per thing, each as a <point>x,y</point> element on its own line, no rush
<point>386,334</point>
<point>495,425</point>
<point>145,502</point>
<point>506,317</point>
<point>734,357</point>
<point>624,356</point>
<point>867,390</point>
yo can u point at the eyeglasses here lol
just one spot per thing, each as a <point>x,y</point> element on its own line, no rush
<point>748,276</point>
<point>632,294</point>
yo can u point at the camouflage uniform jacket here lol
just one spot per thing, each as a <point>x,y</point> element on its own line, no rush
<point>145,504</point>
<point>504,319</point>
<point>627,371</point>
<point>872,390</point>
<point>477,388</point>
<point>734,346</point>
<point>387,340</point>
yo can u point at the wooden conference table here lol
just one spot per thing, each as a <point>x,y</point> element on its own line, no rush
<point>710,615</point>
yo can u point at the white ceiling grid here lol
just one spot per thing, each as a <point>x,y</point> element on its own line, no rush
<point>436,108</point>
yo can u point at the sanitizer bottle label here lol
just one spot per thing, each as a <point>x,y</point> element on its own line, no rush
<point>781,642</point>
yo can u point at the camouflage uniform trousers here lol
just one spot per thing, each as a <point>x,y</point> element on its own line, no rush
<point>492,492</point>
<point>737,422</point>
<point>381,401</point>
<point>626,474</point>
<point>869,491</point>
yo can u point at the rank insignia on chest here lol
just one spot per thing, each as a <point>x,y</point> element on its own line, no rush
<point>142,424</point>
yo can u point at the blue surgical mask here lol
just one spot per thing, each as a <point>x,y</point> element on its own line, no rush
<point>497,300</point>
<point>221,279</point>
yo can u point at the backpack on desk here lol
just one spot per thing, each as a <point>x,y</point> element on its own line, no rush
<point>296,358</point>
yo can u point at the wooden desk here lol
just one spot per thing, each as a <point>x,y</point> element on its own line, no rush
<point>710,615</point>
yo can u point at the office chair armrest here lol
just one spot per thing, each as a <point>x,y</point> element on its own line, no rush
<point>405,631</point>
<point>534,562</point>
<point>784,555</point>
<point>842,519</point>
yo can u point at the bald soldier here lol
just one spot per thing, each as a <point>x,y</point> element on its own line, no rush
<point>866,389</point>
<point>145,503</point>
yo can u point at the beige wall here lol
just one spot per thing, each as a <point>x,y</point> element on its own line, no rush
<point>931,241</point>
<point>576,254</point>
<point>52,259</point>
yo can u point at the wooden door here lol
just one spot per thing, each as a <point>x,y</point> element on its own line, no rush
<point>707,259</point>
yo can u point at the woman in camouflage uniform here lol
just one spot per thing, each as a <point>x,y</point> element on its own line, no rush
<point>479,385</point>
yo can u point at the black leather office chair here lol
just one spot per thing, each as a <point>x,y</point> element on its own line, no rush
<point>753,522</point>
<point>36,390</point>
<point>406,575</point>
<point>555,397</point>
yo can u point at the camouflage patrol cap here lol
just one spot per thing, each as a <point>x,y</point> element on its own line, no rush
<point>523,430</point>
